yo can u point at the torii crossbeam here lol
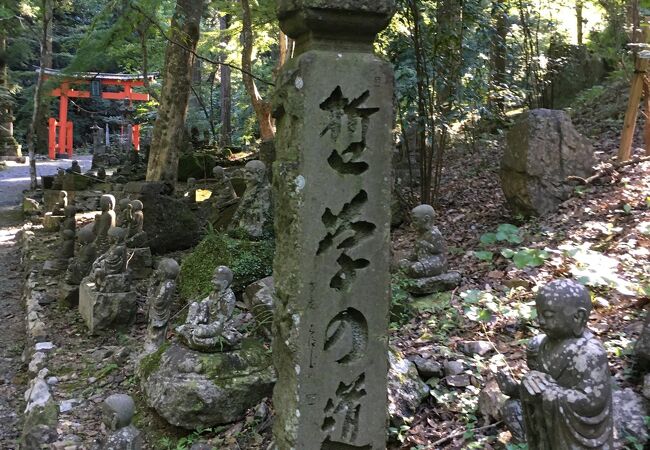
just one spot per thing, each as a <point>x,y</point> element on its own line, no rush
<point>62,143</point>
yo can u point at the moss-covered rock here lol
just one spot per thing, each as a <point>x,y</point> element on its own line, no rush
<point>195,165</point>
<point>248,260</point>
<point>192,390</point>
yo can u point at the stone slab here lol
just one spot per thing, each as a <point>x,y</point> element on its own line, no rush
<point>106,311</point>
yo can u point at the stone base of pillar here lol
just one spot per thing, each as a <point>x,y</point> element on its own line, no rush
<point>106,310</point>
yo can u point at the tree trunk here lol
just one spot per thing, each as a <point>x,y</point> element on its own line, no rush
<point>46,62</point>
<point>169,127</point>
<point>225,89</point>
<point>46,6</point>
<point>579,11</point>
<point>262,108</point>
<point>8,145</point>
<point>499,55</point>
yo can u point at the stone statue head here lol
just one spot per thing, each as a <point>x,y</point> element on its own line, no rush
<point>423,217</point>
<point>107,202</point>
<point>118,411</point>
<point>68,235</point>
<point>168,268</point>
<point>219,172</point>
<point>60,172</point>
<point>75,163</point>
<point>137,205</point>
<point>86,235</point>
<point>123,203</point>
<point>116,235</point>
<point>254,172</point>
<point>222,278</point>
<point>563,308</point>
<point>70,211</point>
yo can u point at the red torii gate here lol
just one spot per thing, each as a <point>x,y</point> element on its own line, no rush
<point>96,80</point>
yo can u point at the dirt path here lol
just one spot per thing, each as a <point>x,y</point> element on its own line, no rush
<point>13,180</point>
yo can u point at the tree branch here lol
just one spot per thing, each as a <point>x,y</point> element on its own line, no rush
<point>196,55</point>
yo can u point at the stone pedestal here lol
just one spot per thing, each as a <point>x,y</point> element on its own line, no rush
<point>106,310</point>
<point>444,282</point>
<point>332,182</point>
<point>69,295</point>
<point>52,223</point>
<point>140,263</point>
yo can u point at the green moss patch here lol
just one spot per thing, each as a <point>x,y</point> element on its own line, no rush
<point>248,260</point>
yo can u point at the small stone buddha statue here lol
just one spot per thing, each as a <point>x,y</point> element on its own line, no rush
<point>74,168</point>
<point>223,193</point>
<point>66,251</point>
<point>136,236</point>
<point>80,266</point>
<point>57,182</point>
<point>70,221</point>
<point>427,266</point>
<point>160,296</point>
<point>122,215</point>
<point>59,207</point>
<point>566,397</point>
<point>117,414</point>
<point>105,222</point>
<point>113,262</point>
<point>209,325</point>
<point>254,210</point>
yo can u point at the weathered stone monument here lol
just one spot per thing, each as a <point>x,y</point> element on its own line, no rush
<point>104,222</point>
<point>566,397</point>
<point>543,149</point>
<point>253,213</point>
<point>212,376</point>
<point>52,220</point>
<point>118,411</point>
<point>427,266</point>
<point>106,300</point>
<point>160,296</point>
<point>334,111</point>
<point>136,236</point>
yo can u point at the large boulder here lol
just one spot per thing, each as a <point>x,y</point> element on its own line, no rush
<point>194,390</point>
<point>630,411</point>
<point>543,150</point>
<point>170,224</point>
<point>258,298</point>
<point>642,346</point>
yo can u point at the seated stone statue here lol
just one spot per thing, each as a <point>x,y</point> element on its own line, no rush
<point>70,221</point>
<point>117,414</point>
<point>223,193</point>
<point>254,210</point>
<point>66,250</point>
<point>427,266</point>
<point>80,266</point>
<point>566,398</point>
<point>74,168</point>
<point>122,215</point>
<point>160,296</point>
<point>111,263</point>
<point>136,236</point>
<point>209,326</point>
<point>105,222</point>
<point>59,207</point>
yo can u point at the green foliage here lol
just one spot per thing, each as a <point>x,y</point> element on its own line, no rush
<point>248,260</point>
<point>485,307</point>
<point>400,311</point>
<point>505,233</point>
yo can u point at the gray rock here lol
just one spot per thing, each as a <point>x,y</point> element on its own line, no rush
<point>491,401</point>
<point>427,368</point>
<point>629,418</point>
<point>543,150</point>
<point>646,386</point>
<point>462,380</point>
<point>472,348</point>
<point>454,367</point>
<point>405,388</point>
<point>190,389</point>
<point>258,298</point>
<point>642,346</point>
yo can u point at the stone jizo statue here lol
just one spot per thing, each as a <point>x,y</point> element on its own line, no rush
<point>59,207</point>
<point>113,262</point>
<point>70,221</point>
<point>80,266</point>
<point>136,236</point>
<point>566,397</point>
<point>105,222</point>
<point>209,326</point>
<point>254,210</point>
<point>160,296</point>
<point>57,182</point>
<point>117,412</point>
<point>427,265</point>
<point>122,215</point>
<point>66,250</point>
<point>74,168</point>
<point>223,193</point>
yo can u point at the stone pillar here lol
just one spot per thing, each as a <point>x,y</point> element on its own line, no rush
<point>334,110</point>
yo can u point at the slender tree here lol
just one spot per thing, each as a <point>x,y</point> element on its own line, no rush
<point>169,127</point>
<point>225,87</point>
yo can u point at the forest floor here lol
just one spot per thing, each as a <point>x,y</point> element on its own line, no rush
<point>601,236</point>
